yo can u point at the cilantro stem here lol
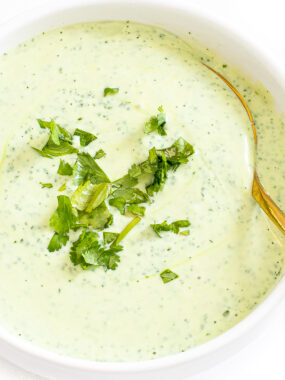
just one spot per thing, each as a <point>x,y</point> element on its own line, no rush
<point>126,230</point>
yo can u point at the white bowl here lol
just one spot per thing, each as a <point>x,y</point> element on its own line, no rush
<point>179,17</point>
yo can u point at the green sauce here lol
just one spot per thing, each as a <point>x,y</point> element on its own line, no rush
<point>233,256</point>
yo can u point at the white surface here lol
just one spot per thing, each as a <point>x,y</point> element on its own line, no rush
<point>262,359</point>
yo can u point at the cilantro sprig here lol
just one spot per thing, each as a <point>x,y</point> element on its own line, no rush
<point>59,141</point>
<point>156,123</point>
<point>87,208</point>
<point>173,227</point>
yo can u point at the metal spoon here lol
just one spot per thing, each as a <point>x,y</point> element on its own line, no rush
<point>258,192</point>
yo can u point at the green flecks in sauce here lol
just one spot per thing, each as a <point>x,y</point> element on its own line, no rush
<point>114,316</point>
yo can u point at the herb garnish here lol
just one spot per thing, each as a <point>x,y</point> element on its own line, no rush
<point>156,123</point>
<point>85,137</point>
<point>65,217</point>
<point>47,185</point>
<point>86,169</point>
<point>99,154</point>
<point>167,275</point>
<point>173,227</point>
<point>59,142</point>
<point>57,241</point>
<point>64,168</point>
<point>110,91</point>
<point>87,207</point>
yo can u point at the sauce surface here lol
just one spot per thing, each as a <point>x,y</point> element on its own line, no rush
<point>233,256</point>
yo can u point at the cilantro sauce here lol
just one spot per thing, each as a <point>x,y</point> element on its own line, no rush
<point>233,255</point>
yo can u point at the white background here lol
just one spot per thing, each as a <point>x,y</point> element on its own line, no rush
<point>263,359</point>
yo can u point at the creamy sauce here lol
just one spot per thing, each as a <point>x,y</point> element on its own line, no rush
<point>233,256</point>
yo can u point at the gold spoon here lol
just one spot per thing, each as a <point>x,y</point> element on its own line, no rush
<point>258,192</point>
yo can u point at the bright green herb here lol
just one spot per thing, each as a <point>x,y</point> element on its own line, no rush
<point>110,91</point>
<point>88,251</point>
<point>86,169</point>
<point>126,230</point>
<point>156,123</point>
<point>85,137</point>
<point>88,196</point>
<point>62,187</point>
<point>136,209</point>
<point>99,219</point>
<point>99,154</point>
<point>173,227</point>
<point>125,196</point>
<point>109,237</point>
<point>167,275</point>
<point>59,142</point>
<point>64,218</point>
<point>57,241</point>
<point>64,168</point>
<point>47,185</point>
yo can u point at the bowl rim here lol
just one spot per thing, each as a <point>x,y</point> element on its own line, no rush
<point>258,314</point>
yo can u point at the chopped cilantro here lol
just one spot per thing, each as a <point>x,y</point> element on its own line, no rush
<point>57,241</point>
<point>85,137</point>
<point>99,154</point>
<point>125,196</point>
<point>167,275</point>
<point>178,153</point>
<point>59,142</point>
<point>110,91</point>
<point>62,187</point>
<point>64,168</point>
<point>98,219</point>
<point>47,185</point>
<point>87,251</point>
<point>64,218</point>
<point>160,175</point>
<point>109,237</point>
<point>136,209</point>
<point>86,169</point>
<point>173,227</point>
<point>156,123</point>
<point>88,196</point>
<point>126,230</point>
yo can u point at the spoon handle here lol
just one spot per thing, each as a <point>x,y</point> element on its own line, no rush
<point>259,194</point>
<point>267,204</point>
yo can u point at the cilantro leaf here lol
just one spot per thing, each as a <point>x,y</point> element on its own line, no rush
<point>125,181</point>
<point>98,219</point>
<point>43,154</point>
<point>109,237</point>
<point>62,187</point>
<point>64,218</point>
<point>136,209</point>
<point>156,123</point>
<point>57,241</point>
<point>99,154</point>
<point>87,251</point>
<point>160,175</point>
<point>173,227</point>
<point>88,196</point>
<point>57,132</point>
<point>55,150</point>
<point>64,168</point>
<point>167,275</point>
<point>110,91</point>
<point>59,142</point>
<point>85,241</point>
<point>85,137</point>
<point>178,153</point>
<point>124,196</point>
<point>86,169</point>
<point>47,185</point>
